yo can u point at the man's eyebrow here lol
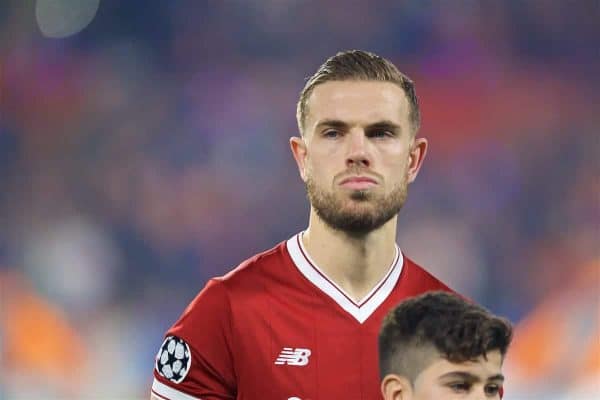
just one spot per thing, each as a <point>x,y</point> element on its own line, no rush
<point>332,123</point>
<point>470,377</point>
<point>336,123</point>
<point>387,125</point>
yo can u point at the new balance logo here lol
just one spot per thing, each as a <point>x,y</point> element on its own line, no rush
<point>289,356</point>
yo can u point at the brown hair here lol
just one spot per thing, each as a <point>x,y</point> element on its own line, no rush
<point>358,65</point>
<point>450,326</point>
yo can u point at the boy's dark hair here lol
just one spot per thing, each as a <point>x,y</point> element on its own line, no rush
<point>438,324</point>
<point>357,65</point>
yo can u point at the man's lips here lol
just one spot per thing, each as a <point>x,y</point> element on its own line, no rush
<point>358,182</point>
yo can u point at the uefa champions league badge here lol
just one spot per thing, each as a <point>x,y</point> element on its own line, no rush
<point>173,359</point>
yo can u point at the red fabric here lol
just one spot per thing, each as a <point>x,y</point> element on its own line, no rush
<point>239,324</point>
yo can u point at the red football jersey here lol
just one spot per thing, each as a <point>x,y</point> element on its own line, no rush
<point>276,328</point>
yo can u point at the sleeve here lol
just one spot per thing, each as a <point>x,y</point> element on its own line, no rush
<point>195,360</point>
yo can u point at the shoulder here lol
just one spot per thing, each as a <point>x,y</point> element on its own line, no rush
<point>213,305</point>
<point>224,299</point>
<point>251,274</point>
<point>263,265</point>
<point>418,275</point>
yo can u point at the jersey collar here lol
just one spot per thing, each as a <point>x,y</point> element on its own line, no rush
<point>359,310</point>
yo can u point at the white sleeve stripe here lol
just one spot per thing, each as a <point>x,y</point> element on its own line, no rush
<point>168,393</point>
<point>158,396</point>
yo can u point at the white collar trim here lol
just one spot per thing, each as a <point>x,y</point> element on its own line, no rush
<point>361,310</point>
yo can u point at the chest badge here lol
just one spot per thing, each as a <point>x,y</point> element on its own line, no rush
<point>297,357</point>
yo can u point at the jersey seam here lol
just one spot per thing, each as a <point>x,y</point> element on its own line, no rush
<point>231,335</point>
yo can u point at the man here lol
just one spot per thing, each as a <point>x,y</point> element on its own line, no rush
<point>438,346</point>
<point>300,321</point>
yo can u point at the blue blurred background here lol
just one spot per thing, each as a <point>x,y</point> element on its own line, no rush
<point>144,149</point>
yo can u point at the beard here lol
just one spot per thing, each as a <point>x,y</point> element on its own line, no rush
<point>358,214</point>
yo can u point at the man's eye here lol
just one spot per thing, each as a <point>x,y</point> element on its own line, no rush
<point>380,133</point>
<point>331,133</point>
<point>492,390</point>
<point>460,387</point>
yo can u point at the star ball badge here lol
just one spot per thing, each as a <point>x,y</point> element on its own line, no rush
<point>174,359</point>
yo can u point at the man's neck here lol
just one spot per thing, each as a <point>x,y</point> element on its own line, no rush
<point>356,264</point>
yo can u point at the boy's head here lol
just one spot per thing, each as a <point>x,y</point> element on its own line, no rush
<point>439,346</point>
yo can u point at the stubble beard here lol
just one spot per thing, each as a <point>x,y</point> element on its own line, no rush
<point>359,213</point>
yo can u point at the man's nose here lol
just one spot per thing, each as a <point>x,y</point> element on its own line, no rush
<point>358,150</point>
<point>478,395</point>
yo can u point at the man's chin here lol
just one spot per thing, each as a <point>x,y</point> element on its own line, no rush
<point>356,219</point>
<point>360,195</point>
<point>358,207</point>
<point>355,225</point>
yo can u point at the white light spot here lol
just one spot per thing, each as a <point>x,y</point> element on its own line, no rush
<point>62,18</point>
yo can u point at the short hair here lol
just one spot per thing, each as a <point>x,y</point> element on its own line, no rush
<point>441,324</point>
<point>357,65</point>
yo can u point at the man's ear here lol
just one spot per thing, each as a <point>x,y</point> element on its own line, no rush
<point>396,387</point>
<point>298,147</point>
<point>416,157</point>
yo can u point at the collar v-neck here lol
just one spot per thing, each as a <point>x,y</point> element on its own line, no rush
<point>361,310</point>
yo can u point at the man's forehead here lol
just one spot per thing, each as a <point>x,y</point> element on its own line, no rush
<point>357,102</point>
<point>336,90</point>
